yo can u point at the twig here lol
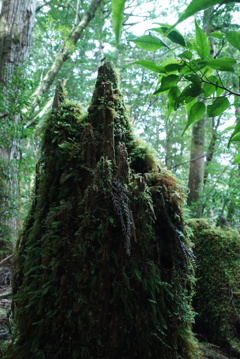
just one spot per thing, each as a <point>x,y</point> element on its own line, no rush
<point>6,294</point>
<point>7,258</point>
<point>192,160</point>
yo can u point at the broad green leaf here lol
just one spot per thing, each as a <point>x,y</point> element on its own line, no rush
<point>171,100</point>
<point>188,105</point>
<point>202,43</point>
<point>208,88</point>
<point>170,61</point>
<point>219,89</point>
<point>196,113</point>
<point>236,130</point>
<point>237,159</point>
<point>150,65</point>
<point>189,92</point>
<point>117,16</point>
<point>149,42</point>
<point>222,64</point>
<point>198,5</point>
<point>173,67</point>
<point>218,106</point>
<point>236,137</point>
<point>186,55</point>
<point>175,36</point>
<point>167,83</point>
<point>217,34</point>
<point>228,129</point>
<point>194,79</point>
<point>192,67</point>
<point>233,37</point>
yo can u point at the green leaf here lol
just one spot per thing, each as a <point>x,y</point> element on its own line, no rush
<point>172,67</point>
<point>202,43</point>
<point>150,65</point>
<point>218,106</point>
<point>233,37</point>
<point>167,83</point>
<point>149,42</point>
<point>175,36</point>
<point>196,113</point>
<point>208,88</point>
<point>171,99</point>
<point>192,67</point>
<point>217,34</point>
<point>117,17</point>
<point>219,89</point>
<point>236,137</point>
<point>188,105</point>
<point>236,130</point>
<point>237,159</point>
<point>222,64</point>
<point>170,64</point>
<point>189,92</point>
<point>186,55</point>
<point>194,79</point>
<point>198,5</point>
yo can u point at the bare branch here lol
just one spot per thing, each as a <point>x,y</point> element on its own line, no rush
<point>7,258</point>
<point>184,163</point>
<point>6,294</point>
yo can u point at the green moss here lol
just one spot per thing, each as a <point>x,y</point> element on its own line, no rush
<point>217,299</point>
<point>103,268</point>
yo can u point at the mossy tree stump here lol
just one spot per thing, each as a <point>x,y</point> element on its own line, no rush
<point>103,269</point>
<point>217,299</point>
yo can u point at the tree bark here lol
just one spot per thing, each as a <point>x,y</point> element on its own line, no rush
<point>16,27</point>
<point>196,173</point>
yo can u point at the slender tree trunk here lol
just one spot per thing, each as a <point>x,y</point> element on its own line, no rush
<point>231,211</point>
<point>16,26</point>
<point>212,146</point>
<point>196,173</point>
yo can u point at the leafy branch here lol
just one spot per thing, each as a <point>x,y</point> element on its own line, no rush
<point>196,70</point>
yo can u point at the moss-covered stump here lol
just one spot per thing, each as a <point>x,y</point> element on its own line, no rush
<point>217,299</point>
<point>103,269</point>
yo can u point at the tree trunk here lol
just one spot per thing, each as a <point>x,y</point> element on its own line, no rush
<point>196,173</point>
<point>16,26</point>
<point>197,157</point>
<point>232,216</point>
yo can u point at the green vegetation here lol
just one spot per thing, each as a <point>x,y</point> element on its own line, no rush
<point>104,266</point>
<point>217,299</point>
<point>103,263</point>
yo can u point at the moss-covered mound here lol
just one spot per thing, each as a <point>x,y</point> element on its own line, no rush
<point>103,269</point>
<point>217,298</point>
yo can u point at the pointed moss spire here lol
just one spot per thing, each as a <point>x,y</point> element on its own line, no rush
<point>103,269</point>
